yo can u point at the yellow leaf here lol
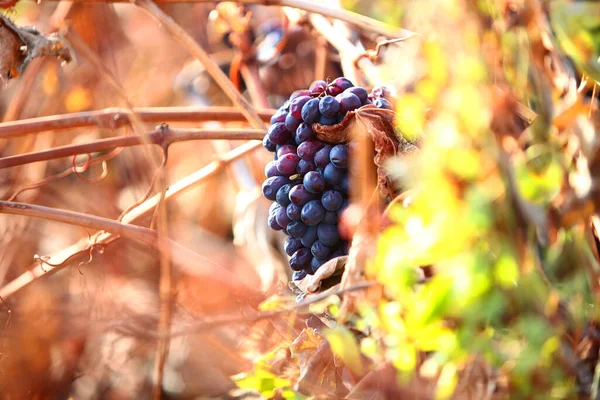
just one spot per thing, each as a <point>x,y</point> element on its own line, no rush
<point>343,344</point>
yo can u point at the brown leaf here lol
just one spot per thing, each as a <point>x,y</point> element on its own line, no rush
<point>10,55</point>
<point>313,283</point>
<point>378,125</point>
<point>316,363</point>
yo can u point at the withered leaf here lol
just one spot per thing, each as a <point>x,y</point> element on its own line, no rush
<point>315,360</point>
<point>10,54</point>
<point>378,124</point>
<point>312,283</point>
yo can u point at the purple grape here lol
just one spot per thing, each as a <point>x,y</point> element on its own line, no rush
<point>300,196</point>
<point>333,175</point>
<point>299,93</point>
<point>315,263</point>
<point>287,164</point>
<point>299,275</point>
<point>308,149</point>
<point>279,134</point>
<point>330,218</point>
<point>322,156</point>
<point>304,133</point>
<point>283,195</point>
<point>296,106</point>
<point>331,200</point>
<point>272,185</point>
<point>318,87</point>
<point>296,229</point>
<point>300,259</point>
<point>279,116</point>
<point>339,85</point>
<point>271,169</point>
<point>381,92</point>
<point>281,217</point>
<point>359,92</point>
<point>312,213</point>
<point>383,103</point>
<point>267,144</point>
<point>314,182</point>
<point>348,102</point>
<point>292,245</point>
<point>328,234</point>
<point>323,120</point>
<point>294,211</point>
<point>291,123</point>
<point>283,149</point>
<point>309,237</point>
<point>319,250</point>
<point>343,186</point>
<point>310,111</point>
<point>339,156</point>
<point>272,221</point>
<point>305,166</point>
<point>329,106</point>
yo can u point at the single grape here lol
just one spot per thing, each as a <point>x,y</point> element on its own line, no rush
<point>328,234</point>
<point>294,211</point>
<point>323,120</point>
<point>331,200</point>
<point>278,133</point>
<point>296,229</point>
<point>271,169</point>
<point>381,92</point>
<point>272,221</point>
<point>329,106</point>
<point>291,123</point>
<point>283,149</point>
<point>296,106</point>
<point>279,116</point>
<point>298,93</point>
<point>334,175</point>
<point>343,186</point>
<point>312,213</point>
<point>298,275</point>
<point>283,195</point>
<point>348,102</point>
<point>315,263</point>
<point>287,164</point>
<point>339,155</point>
<point>271,185</point>
<point>339,85</point>
<point>281,217</point>
<point>267,144</point>
<point>308,149</point>
<point>273,207</point>
<point>305,166</point>
<point>300,259</point>
<point>304,133</point>
<point>310,111</point>
<point>359,92</point>
<point>309,237</point>
<point>319,250</point>
<point>322,156</point>
<point>330,218</point>
<point>300,196</point>
<point>383,103</point>
<point>318,87</point>
<point>314,182</point>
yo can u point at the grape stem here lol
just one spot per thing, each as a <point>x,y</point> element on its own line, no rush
<point>118,117</point>
<point>162,136</point>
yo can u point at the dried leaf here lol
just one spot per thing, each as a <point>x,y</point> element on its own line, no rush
<point>378,124</point>
<point>316,363</point>
<point>10,55</point>
<point>313,283</point>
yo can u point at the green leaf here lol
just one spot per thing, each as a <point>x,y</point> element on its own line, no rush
<point>344,345</point>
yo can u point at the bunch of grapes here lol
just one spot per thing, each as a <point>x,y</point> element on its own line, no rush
<point>308,178</point>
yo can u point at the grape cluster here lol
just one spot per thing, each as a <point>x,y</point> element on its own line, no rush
<point>308,178</point>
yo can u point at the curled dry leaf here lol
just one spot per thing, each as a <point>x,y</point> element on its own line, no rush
<point>378,124</point>
<point>315,360</point>
<point>20,45</point>
<point>313,283</point>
